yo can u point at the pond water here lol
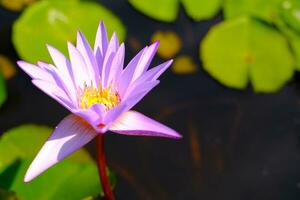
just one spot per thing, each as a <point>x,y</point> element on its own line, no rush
<point>236,144</point>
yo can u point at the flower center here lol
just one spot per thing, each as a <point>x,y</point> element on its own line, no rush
<point>105,96</point>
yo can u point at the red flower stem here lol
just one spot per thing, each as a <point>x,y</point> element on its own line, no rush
<point>101,162</point>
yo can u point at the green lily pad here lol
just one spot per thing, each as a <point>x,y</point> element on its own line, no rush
<point>293,39</point>
<point>202,9</point>
<point>243,50</point>
<point>167,10</point>
<point>290,12</point>
<point>163,10</point>
<point>55,22</point>
<point>75,177</point>
<point>263,9</point>
<point>68,181</point>
<point>2,90</point>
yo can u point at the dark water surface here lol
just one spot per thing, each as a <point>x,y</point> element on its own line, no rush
<point>236,145</point>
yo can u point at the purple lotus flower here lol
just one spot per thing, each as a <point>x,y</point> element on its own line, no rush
<point>94,86</point>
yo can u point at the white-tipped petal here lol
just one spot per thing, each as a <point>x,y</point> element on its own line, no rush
<point>89,58</point>
<point>71,134</point>
<point>134,123</point>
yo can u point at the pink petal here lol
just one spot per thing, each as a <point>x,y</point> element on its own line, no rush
<point>59,80</point>
<point>101,43</point>
<point>114,113</point>
<point>116,65</point>
<point>155,72</point>
<point>81,75</point>
<point>94,115</point>
<point>108,58</point>
<point>145,61</point>
<point>35,72</point>
<point>139,93</point>
<point>127,73</point>
<point>134,123</point>
<point>64,70</point>
<point>89,58</point>
<point>114,42</point>
<point>139,88</point>
<point>62,63</point>
<point>55,92</point>
<point>136,67</point>
<point>146,80</point>
<point>71,134</point>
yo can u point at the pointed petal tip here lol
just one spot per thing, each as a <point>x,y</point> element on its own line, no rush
<point>157,42</point>
<point>101,23</point>
<point>80,34</point>
<point>135,123</point>
<point>27,177</point>
<point>48,46</point>
<point>177,136</point>
<point>41,63</point>
<point>169,63</point>
<point>114,37</point>
<point>69,43</point>
<point>20,63</point>
<point>102,26</point>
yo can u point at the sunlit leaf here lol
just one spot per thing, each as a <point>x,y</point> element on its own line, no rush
<point>55,22</point>
<point>170,43</point>
<point>3,94</point>
<point>16,5</point>
<point>167,10</point>
<point>75,177</point>
<point>290,12</point>
<point>7,68</point>
<point>243,50</point>
<point>184,65</point>
<point>164,10</point>
<point>263,9</point>
<point>293,38</point>
<point>202,9</point>
<point>67,180</point>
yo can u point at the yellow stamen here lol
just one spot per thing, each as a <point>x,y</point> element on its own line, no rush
<point>105,96</point>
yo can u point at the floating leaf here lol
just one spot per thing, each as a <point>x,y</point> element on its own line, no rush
<point>243,49</point>
<point>184,65</point>
<point>68,180</point>
<point>170,43</point>
<point>74,178</point>
<point>262,9</point>
<point>290,12</point>
<point>2,90</point>
<point>15,5</point>
<point>202,9</point>
<point>164,10</point>
<point>55,22</point>
<point>7,68</point>
<point>293,38</point>
<point>167,10</point>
